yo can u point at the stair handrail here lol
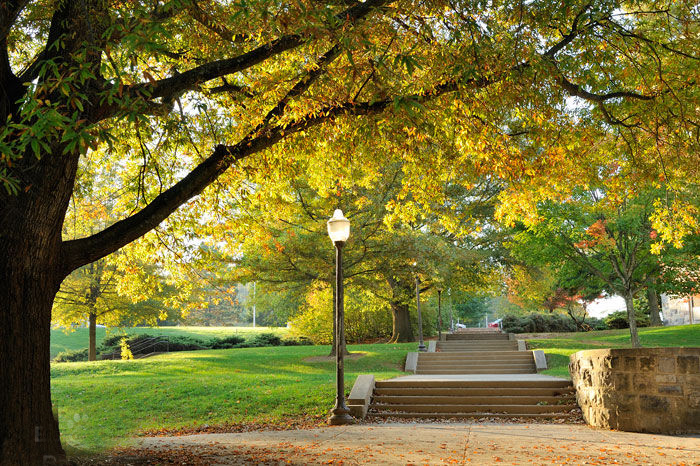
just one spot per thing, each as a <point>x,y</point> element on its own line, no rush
<point>141,345</point>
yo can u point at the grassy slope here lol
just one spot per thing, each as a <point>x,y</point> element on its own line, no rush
<point>559,349</point>
<point>100,404</point>
<point>78,339</point>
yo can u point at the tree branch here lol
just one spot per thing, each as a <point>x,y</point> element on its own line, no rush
<point>577,91</point>
<point>82,251</point>
<point>175,85</point>
<point>9,11</point>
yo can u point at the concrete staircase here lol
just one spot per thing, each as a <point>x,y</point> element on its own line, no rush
<point>476,362</point>
<point>491,397</point>
<point>476,352</point>
<point>473,374</point>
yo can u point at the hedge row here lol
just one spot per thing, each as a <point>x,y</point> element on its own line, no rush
<point>546,323</point>
<point>145,344</point>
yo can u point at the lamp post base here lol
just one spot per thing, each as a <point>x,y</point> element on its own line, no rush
<point>340,417</point>
<point>422,348</point>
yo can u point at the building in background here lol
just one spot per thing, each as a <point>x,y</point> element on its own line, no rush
<point>680,310</point>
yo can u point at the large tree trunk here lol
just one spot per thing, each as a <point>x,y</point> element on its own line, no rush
<point>632,319</point>
<point>653,299</point>
<point>401,319</point>
<point>92,346</point>
<point>30,276</point>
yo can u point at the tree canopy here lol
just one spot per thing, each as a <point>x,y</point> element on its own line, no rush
<point>183,95</point>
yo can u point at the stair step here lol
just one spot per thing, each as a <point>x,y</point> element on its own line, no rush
<point>475,371</point>
<point>507,353</point>
<point>480,408</point>
<point>477,336</point>
<point>468,415</point>
<point>477,342</point>
<point>466,384</point>
<point>472,400</point>
<point>474,392</point>
<point>502,347</point>
<point>505,347</point>
<point>474,361</point>
<point>473,367</point>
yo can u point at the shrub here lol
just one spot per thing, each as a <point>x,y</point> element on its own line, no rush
<point>227,342</point>
<point>125,350</point>
<point>300,341</point>
<point>538,323</point>
<point>619,319</point>
<point>266,339</point>
<point>597,324</point>
<point>144,343</point>
<point>72,356</point>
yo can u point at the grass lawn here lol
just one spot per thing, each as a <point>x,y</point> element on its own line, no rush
<point>105,403</point>
<point>561,346</point>
<point>61,340</point>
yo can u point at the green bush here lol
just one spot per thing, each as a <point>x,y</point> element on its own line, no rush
<point>226,342</point>
<point>538,323</point>
<point>266,339</point>
<point>597,324</point>
<point>619,319</point>
<point>72,356</point>
<point>300,341</point>
<point>144,343</point>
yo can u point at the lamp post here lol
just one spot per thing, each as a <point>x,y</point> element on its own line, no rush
<point>452,316</point>
<point>339,231</point>
<point>439,290</point>
<point>421,346</point>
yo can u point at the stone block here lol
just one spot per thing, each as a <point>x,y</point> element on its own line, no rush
<point>688,364</point>
<point>360,395</point>
<point>641,382</point>
<point>667,365</point>
<point>630,363</point>
<point>626,404</point>
<point>603,379</point>
<point>665,378</point>
<point>692,420</point>
<point>670,389</point>
<point>647,364</point>
<point>654,390</point>
<point>621,381</point>
<point>654,404</point>
<point>411,362</point>
<point>540,360</point>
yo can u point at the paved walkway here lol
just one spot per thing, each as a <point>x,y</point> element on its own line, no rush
<point>437,443</point>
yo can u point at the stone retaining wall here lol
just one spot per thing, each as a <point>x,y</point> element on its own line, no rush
<point>639,389</point>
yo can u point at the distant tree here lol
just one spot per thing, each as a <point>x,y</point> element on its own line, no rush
<point>606,240</point>
<point>291,248</point>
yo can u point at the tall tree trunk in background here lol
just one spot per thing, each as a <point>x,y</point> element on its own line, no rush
<point>92,347</point>
<point>401,319</point>
<point>653,299</point>
<point>632,318</point>
<point>401,329</point>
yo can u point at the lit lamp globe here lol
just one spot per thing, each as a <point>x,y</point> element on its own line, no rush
<point>338,227</point>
